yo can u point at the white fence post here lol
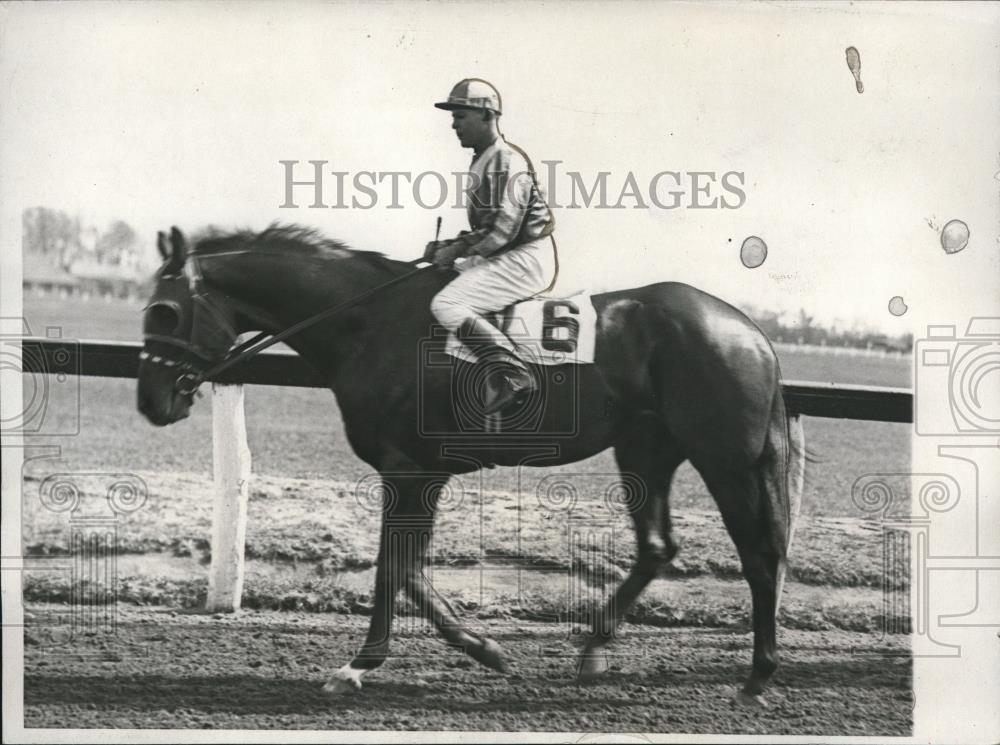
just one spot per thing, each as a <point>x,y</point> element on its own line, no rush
<point>231,467</point>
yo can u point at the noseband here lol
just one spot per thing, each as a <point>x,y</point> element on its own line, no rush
<point>187,382</point>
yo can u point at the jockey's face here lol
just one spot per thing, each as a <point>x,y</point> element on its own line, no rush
<point>474,128</point>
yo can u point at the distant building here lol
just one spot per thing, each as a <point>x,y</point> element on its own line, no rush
<point>42,276</point>
<point>39,274</point>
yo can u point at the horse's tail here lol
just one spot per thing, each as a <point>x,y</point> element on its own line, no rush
<point>782,476</point>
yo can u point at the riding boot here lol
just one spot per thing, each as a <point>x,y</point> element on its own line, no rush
<point>508,379</point>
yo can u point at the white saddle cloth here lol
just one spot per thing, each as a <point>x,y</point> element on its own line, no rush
<point>545,330</point>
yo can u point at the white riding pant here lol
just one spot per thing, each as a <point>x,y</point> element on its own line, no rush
<point>489,284</point>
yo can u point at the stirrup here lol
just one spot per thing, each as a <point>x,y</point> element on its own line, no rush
<point>517,385</point>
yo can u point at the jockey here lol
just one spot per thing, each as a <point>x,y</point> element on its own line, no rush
<point>508,253</point>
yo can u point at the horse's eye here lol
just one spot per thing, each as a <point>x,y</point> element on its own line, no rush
<point>162,319</point>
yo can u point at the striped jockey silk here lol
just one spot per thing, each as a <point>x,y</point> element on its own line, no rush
<point>505,206</point>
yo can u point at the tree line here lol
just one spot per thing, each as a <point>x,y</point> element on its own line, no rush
<point>63,240</point>
<point>803,328</point>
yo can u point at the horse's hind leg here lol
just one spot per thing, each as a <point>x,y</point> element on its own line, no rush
<point>741,501</point>
<point>651,455</point>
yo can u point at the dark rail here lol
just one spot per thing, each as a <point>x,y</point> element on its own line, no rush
<point>121,360</point>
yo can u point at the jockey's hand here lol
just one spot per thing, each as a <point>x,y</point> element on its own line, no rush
<point>447,252</point>
<point>430,249</point>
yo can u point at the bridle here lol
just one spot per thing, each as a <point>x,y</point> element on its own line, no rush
<point>186,383</point>
<point>195,364</point>
<point>202,342</point>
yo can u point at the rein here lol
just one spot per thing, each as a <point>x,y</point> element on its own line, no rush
<point>260,342</point>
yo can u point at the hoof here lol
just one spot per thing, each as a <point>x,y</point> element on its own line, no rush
<point>336,687</point>
<point>346,680</point>
<point>750,700</point>
<point>489,654</point>
<point>591,666</point>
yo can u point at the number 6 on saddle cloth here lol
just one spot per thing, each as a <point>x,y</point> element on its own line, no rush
<point>546,331</point>
<point>557,334</point>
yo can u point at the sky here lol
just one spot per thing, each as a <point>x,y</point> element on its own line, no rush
<point>178,114</point>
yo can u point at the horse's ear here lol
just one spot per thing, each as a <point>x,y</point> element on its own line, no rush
<point>161,244</point>
<point>179,245</point>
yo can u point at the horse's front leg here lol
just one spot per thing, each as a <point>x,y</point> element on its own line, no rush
<point>439,612</point>
<point>389,576</point>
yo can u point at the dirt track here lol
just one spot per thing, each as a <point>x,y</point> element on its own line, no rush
<point>163,669</point>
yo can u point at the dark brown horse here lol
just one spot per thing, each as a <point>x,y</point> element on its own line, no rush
<point>678,375</point>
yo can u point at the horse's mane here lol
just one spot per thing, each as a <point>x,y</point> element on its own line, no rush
<point>289,241</point>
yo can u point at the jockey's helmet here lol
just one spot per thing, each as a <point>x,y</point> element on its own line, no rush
<point>472,93</point>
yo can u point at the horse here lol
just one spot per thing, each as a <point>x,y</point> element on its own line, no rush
<point>678,375</point>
